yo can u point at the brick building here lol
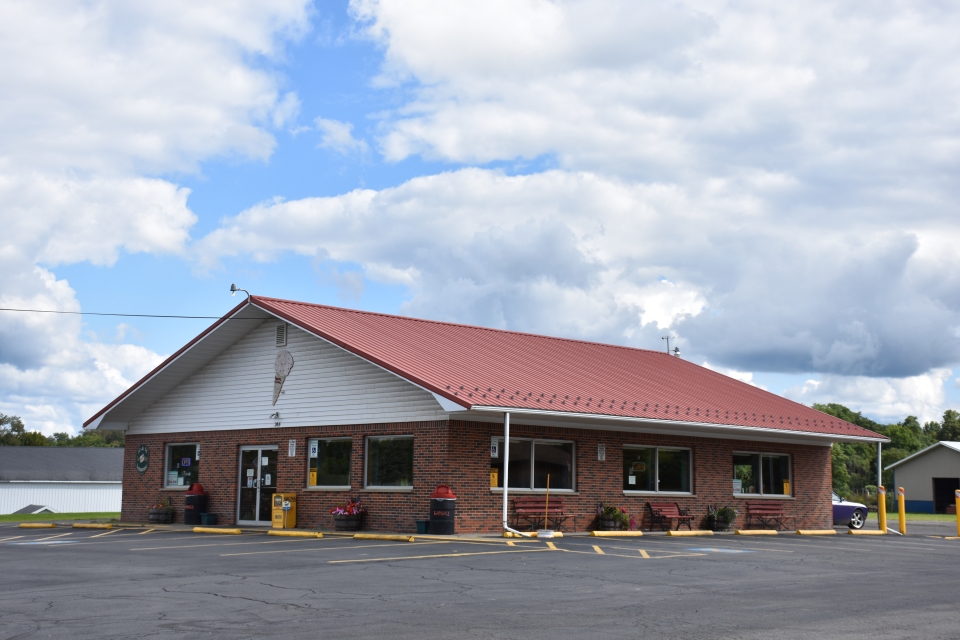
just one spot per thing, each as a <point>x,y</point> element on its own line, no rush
<point>334,404</point>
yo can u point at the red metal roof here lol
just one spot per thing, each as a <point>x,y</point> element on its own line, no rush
<point>476,366</point>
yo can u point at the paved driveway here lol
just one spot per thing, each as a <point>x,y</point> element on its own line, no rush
<point>64,583</point>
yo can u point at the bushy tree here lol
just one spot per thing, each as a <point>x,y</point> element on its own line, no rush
<point>13,433</point>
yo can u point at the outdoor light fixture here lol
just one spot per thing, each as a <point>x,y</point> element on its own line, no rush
<point>676,351</point>
<point>234,289</point>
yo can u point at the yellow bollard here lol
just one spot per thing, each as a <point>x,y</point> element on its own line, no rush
<point>901,507</point>
<point>956,495</point>
<point>882,508</point>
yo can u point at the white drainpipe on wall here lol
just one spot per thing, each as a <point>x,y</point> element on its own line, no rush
<point>506,473</point>
<point>879,467</point>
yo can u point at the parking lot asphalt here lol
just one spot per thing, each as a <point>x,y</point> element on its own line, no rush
<point>123,583</point>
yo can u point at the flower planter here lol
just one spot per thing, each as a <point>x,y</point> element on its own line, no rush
<point>347,522</point>
<point>609,524</point>
<point>160,516</point>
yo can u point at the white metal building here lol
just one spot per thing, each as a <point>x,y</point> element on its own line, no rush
<point>63,479</point>
<point>929,477</point>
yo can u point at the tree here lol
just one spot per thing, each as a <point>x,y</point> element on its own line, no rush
<point>950,428</point>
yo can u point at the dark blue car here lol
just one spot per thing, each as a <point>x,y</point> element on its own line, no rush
<point>852,514</point>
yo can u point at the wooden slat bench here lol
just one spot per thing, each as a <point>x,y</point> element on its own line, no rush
<point>664,513</point>
<point>533,509</point>
<point>767,513</point>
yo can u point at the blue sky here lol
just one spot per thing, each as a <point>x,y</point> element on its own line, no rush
<point>773,187</point>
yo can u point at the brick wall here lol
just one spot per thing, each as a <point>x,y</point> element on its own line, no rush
<point>458,454</point>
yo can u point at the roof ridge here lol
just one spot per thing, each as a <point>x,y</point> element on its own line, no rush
<point>467,326</point>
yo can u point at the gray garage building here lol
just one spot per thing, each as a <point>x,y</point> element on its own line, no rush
<point>929,477</point>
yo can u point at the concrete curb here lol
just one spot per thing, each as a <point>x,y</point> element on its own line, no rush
<point>816,532</point>
<point>90,525</point>
<point>38,525</point>
<point>234,532</point>
<point>869,532</point>
<point>686,534</point>
<point>531,534</point>
<point>756,532</point>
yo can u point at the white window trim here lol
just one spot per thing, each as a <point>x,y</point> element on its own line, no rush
<point>656,472</point>
<point>767,496</point>
<point>533,459</point>
<point>329,487</point>
<point>166,466</point>
<point>366,457</point>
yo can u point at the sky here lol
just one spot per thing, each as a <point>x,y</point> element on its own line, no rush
<point>772,185</point>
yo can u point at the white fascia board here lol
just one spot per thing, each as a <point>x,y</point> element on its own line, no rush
<point>62,481</point>
<point>445,403</point>
<point>703,429</point>
<point>99,423</point>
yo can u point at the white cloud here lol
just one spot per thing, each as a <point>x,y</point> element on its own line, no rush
<point>742,376</point>
<point>890,399</point>
<point>338,136</point>
<point>99,99</point>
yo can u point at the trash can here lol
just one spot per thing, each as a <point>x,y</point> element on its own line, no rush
<point>284,510</point>
<point>194,503</point>
<point>443,508</point>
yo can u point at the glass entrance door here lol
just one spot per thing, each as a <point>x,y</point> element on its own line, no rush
<point>258,482</point>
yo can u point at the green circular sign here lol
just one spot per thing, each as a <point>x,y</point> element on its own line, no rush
<point>143,458</point>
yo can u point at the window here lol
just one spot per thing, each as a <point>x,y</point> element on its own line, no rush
<point>531,461</point>
<point>656,469</point>
<point>390,461</point>
<point>329,462</point>
<point>761,473</point>
<point>183,464</point>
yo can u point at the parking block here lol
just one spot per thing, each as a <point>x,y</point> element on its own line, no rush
<point>91,525</point>
<point>38,525</point>
<point>294,534</point>
<point>816,532</point>
<point>756,532</point>
<point>382,536</point>
<point>616,534</point>
<point>685,534</point>
<point>234,532</point>
<point>868,532</point>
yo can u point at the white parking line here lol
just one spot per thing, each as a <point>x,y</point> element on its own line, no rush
<point>13,538</point>
<point>52,537</point>
<point>106,533</point>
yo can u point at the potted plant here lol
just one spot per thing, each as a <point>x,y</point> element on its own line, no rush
<point>720,518</point>
<point>348,517</point>
<point>612,518</point>
<point>160,513</point>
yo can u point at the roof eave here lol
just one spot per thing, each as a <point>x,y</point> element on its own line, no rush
<point>599,417</point>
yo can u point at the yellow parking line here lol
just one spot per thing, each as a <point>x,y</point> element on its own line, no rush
<point>511,543</point>
<point>106,533</point>
<point>439,555</point>
<point>147,531</point>
<point>552,546</point>
<point>598,550</point>
<point>643,553</point>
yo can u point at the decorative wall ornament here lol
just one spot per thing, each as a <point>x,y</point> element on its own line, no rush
<point>282,366</point>
<point>143,459</point>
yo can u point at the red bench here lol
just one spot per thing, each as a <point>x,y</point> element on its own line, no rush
<point>664,513</point>
<point>767,513</point>
<point>533,509</point>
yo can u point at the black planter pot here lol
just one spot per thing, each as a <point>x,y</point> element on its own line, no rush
<point>718,524</point>
<point>160,516</point>
<point>347,522</point>
<point>608,524</point>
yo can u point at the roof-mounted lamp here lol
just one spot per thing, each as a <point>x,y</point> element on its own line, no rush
<point>234,289</point>
<point>676,351</point>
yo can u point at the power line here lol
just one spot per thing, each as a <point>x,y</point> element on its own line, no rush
<point>122,315</point>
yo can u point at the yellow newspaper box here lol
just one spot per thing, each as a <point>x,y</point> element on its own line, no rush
<point>284,510</point>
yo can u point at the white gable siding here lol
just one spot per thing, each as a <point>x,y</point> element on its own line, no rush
<point>327,386</point>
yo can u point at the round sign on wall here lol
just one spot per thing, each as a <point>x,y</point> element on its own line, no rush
<point>143,458</point>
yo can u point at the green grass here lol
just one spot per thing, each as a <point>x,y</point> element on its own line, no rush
<point>923,517</point>
<point>48,517</point>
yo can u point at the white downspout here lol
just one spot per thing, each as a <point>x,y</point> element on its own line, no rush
<point>879,467</point>
<point>506,473</point>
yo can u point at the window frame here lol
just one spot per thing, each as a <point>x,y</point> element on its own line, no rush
<point>366,462</point>
<point>760,494</point>
<point>166,465</point>
<point>330,487</point>
<point>656,474</point>
<point>533,461</point>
